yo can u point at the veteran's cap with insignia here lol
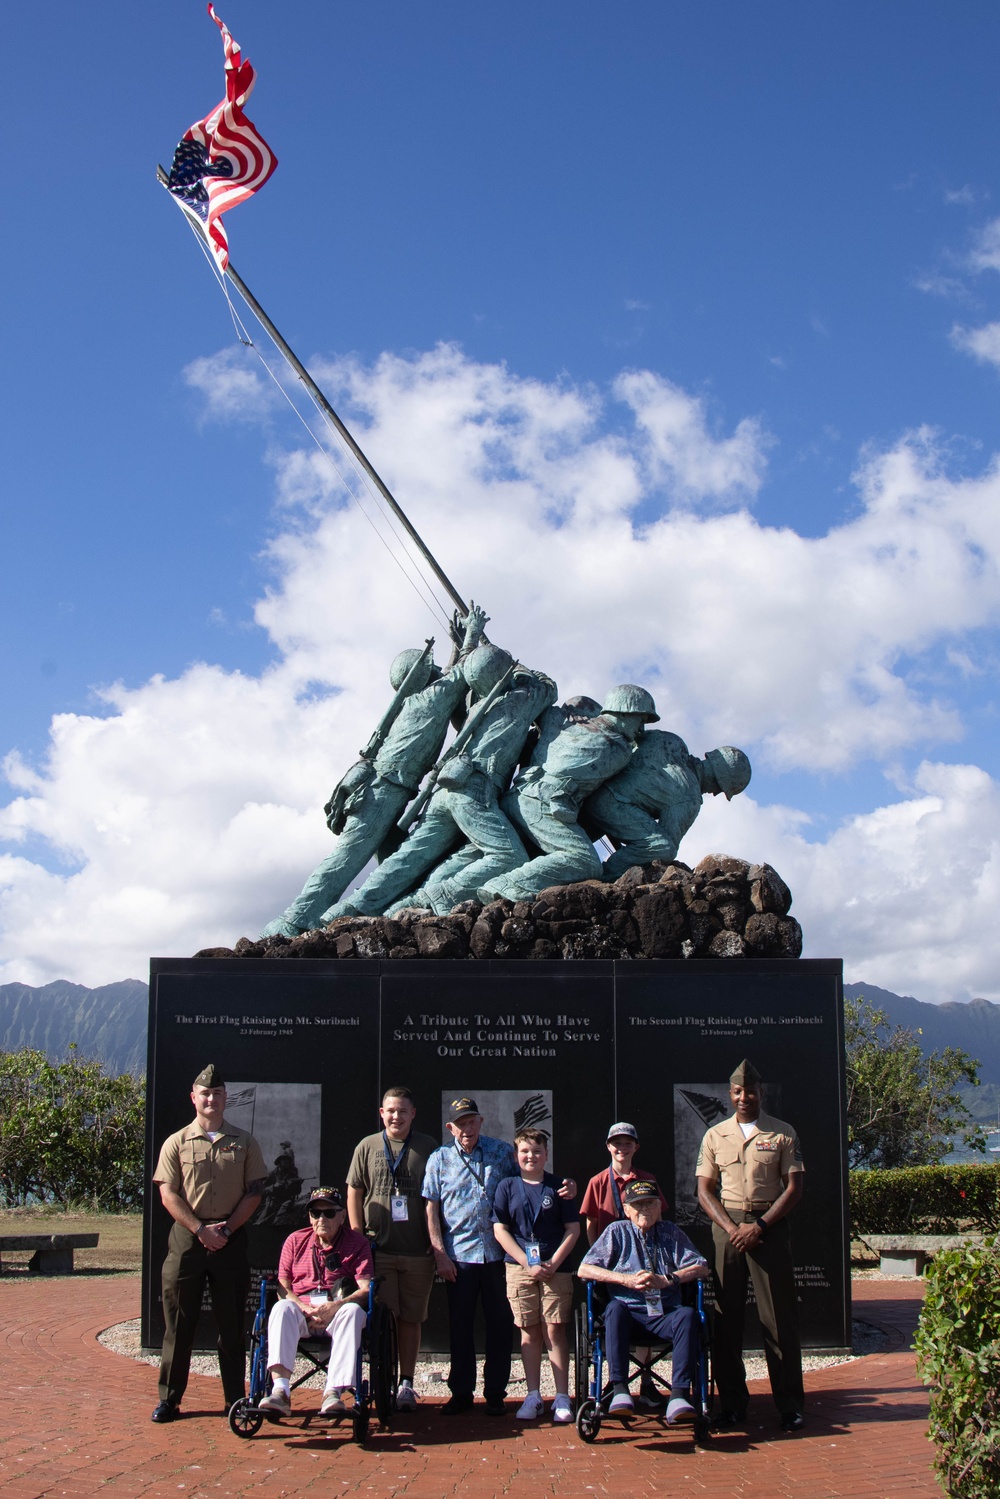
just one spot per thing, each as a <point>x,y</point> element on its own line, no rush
<point>641,1191</point>
<point>326,1197</point>
<point>745,1075</point>
<point>209,1077</point>
<point>461,1108</point>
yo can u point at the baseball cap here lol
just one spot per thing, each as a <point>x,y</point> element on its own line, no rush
<point>326,1197</point>
<point>459,1108</point>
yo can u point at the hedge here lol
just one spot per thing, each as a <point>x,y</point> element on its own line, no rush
<point>926,1199</point>
<point>958,1355</point>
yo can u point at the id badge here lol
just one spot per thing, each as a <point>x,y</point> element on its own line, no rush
<point>533,1255</point>
<point>654,1306</point>
<point>400,1208</point>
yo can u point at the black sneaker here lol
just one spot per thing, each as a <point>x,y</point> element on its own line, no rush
<point>165,1411</point>
<point>729,1418</point>
<point>457,1405</point>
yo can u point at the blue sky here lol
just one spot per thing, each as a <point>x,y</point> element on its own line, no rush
<point>782,213</point>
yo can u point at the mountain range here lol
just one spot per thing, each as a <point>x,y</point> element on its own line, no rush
<point>109,1023</point>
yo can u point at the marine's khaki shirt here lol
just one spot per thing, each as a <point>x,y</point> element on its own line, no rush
<point>750,1171</point>
<point>211,1175</point>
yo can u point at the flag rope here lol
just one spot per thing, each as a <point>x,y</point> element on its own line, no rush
<point>420,585</point>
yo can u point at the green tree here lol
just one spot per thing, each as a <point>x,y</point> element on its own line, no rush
<point>902,1106</point>
<point>69,1132</point>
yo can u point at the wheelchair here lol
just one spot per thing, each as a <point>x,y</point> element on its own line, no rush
<point>593,1390</point>
<point>376,1373</point>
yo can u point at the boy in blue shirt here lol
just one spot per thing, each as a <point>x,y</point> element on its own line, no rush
<point>538,1229</point>
<point>644,1261</point>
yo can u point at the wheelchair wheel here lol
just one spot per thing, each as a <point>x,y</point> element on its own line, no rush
<point>588,1420</point>
<point>581,1357</point>
<point>245,1420</point>
<point>383,1356</point>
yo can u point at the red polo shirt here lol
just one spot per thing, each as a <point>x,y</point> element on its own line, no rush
<point>598,1201</point>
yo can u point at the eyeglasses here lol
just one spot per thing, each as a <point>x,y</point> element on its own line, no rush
<point>324,1212</point>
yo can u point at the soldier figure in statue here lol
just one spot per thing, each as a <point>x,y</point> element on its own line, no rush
<point>364,807</point>
<point>545,801</point>
<point>649,806</point>
<point>464,799</point>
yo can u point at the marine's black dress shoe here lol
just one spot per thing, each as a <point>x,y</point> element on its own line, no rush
<point>165,1411</point>
<point>792,1421</point>
<point>457,1405</point>
<point>495,1406</point>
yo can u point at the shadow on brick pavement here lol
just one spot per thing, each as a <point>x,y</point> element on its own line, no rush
<point>78,1425</point>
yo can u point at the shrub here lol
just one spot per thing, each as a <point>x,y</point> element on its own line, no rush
<point>958,1355</point>
<point>926,1199</point>
<point>69,1133</point>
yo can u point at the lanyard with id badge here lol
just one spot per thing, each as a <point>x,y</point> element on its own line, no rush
<point>398,1201</point>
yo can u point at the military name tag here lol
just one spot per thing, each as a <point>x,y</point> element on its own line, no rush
<point>400,1208</point>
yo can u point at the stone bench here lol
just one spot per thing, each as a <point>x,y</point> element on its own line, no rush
<point>907,1254</point>
<point>53,1253</point>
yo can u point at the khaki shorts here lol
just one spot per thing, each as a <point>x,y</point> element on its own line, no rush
<point>533,1301</point>
<point>406,1284</point>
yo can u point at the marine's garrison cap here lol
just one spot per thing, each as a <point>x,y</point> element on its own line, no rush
<point>745,1074</point>
<point>209,1077</point>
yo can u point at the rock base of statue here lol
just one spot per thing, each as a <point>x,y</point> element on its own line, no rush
<point>723,908</point>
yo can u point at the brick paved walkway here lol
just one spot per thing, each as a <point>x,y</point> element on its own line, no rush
<point>76,1423</point>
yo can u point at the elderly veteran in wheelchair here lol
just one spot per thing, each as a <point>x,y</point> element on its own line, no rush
<point>644,1261</point>
<point>324,1271</point>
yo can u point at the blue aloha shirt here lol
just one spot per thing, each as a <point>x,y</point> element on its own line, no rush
<point>663,1250</point>
<point>464,1186</point>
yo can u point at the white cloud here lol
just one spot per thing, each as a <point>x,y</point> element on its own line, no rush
<point>982,343</point>
<point>595,529</point>
<point>906,893</point>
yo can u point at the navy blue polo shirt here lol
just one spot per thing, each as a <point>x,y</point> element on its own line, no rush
<point>533,1212</point>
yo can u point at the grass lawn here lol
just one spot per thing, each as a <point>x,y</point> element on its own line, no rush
<point>120,1246</point>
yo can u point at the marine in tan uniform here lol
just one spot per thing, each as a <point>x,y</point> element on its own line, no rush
<point>210,1175</point>
<point>750,1176</point>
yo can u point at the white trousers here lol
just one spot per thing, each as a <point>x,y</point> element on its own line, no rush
<point>287,1324</point>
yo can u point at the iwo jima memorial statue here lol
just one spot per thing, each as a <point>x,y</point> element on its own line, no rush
<point>526,933</point>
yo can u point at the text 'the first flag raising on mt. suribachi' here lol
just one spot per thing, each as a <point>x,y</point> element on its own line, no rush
<point>223,158</point>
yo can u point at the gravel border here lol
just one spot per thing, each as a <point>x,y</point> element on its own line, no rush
<point>431,1374</point>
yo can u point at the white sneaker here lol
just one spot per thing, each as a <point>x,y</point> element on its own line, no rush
<point>406,1398</point>
<point>531,1408</point>
<point>562,1410</point>
<point>279,1403</point>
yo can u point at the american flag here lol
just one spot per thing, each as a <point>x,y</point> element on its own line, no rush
<point>223,158</point>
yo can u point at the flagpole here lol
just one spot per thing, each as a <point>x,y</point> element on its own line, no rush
<point>336,423</point>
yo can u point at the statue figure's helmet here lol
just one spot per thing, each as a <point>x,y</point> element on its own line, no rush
<point>485,667</point>
<point>627,698</point>
<point>400,669</point>
<point>731,769</point>
<point>582,707</point>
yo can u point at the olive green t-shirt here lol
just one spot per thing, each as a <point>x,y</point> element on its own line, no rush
<point>369,1172</point>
